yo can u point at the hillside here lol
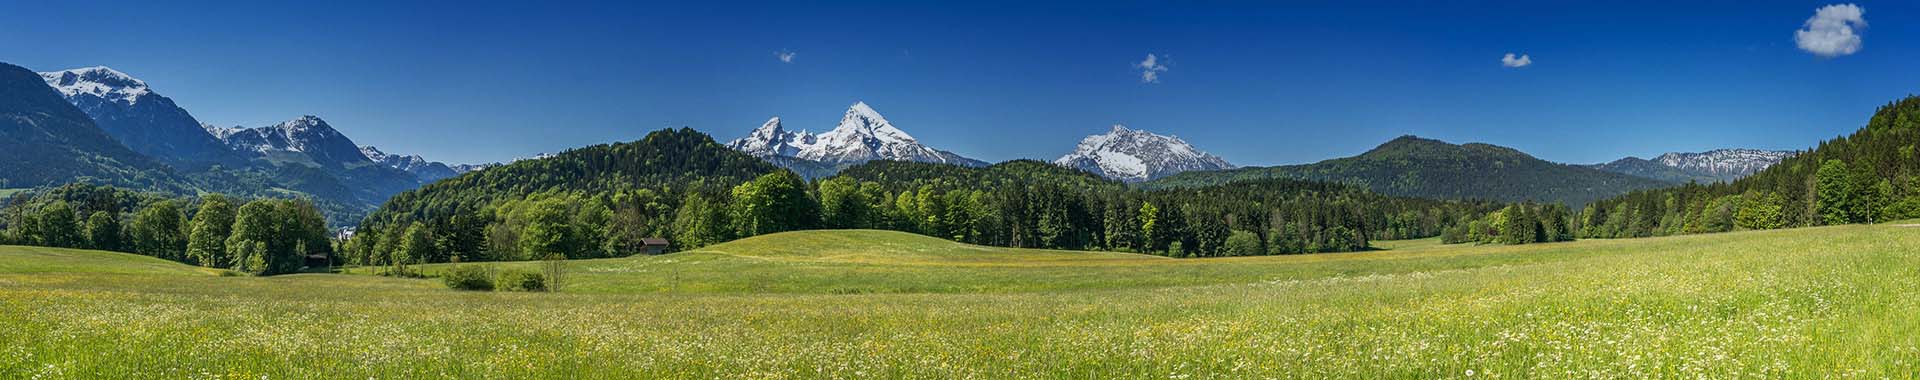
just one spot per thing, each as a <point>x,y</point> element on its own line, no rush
<point>135,115</point>
<point>1871,175</point>
<point>666,159</point>
<point>46,141</point>
<point>1426,168</point>
<point>1643,168</point>
<point>1719,165</point>
<point>27,260</point>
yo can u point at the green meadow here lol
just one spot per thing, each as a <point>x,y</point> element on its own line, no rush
<point>1829,302</point>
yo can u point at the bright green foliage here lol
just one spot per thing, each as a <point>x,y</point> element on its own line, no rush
<point>275,236</point>
<point>701,222</point>
<point>1243,243</point>
<point>1761,211</point>
<point>1522,223</point>
<point>524,281</point>
<point>160,231</point>
<point>104,233</point>
<point>843,204</point>
<point>1839,203</point>
<point>549,230</point>
<point>58,226</point>
<point>209,230</point>
<point>776,202</point>
<point>468,277</point>
<point>415,243</point>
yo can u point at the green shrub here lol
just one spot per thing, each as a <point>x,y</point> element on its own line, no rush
<point>523,281</point>
<point>469,277</point>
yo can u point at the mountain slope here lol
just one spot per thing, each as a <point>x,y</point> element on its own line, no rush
<point>862,135</point>
<point>1417,167</point>
<point>140,118</point>
<point>665,159</point>
<point>426,171</point>
<point>1871,175</point>
<point>1136,155</point>
<point>1719,165</point>
<point>305,140</point>
<point>309,155</point>
<point>46,141</point>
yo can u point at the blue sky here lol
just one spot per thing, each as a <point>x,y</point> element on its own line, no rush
<point>1259,84</point>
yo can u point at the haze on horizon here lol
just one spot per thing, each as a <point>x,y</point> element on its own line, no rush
<point>1258,85</point>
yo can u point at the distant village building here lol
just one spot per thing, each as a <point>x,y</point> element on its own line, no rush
<point>654,246</point>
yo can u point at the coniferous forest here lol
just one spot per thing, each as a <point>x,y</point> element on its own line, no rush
<point>596,202</point>
<point>1869,176</point>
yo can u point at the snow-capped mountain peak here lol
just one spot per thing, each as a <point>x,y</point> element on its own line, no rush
<point>307,136</point>
<point>427,171</point>
<point>374,154</point>
<point>862,121</point>
<point>1136,155</point>
<point>862,135</point>
<point>101,81</point>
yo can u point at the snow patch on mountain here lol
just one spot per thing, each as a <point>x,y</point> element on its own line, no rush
<point>427,171</point>
<point>1136,156</point>
<point>101,81</point>
<point>862,135</point>
<point>1719,165</point>
<point>1731,163</point>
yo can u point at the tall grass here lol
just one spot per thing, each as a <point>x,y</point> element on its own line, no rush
<point>1821,302</point>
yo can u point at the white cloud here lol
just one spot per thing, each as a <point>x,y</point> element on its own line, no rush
<point>786,56</point>
<point>1150,69</point>
<point>1511,61</point>
<point>1830,33</point>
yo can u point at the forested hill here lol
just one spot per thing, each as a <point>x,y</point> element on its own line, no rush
<point>902,175</point>
<point>669,159</point>
<point>1427,168</point>
<point>1872,175</point>
<point>46,141</point>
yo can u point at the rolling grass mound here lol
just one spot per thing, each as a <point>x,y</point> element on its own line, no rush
<point>22,259</point>
<point>892,247</point>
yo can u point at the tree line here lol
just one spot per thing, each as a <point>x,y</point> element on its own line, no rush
<point>1027,204</point>
<point>259,236</point>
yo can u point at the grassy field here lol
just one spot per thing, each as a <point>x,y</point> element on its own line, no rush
<point>1834,302</point>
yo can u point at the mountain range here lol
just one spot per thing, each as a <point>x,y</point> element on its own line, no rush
<point>44,140</point>
<point>97,124</point>
<point>1719,165</point>
<point>150,124</point>
<point>862,135</point>
<point>127,133</point>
